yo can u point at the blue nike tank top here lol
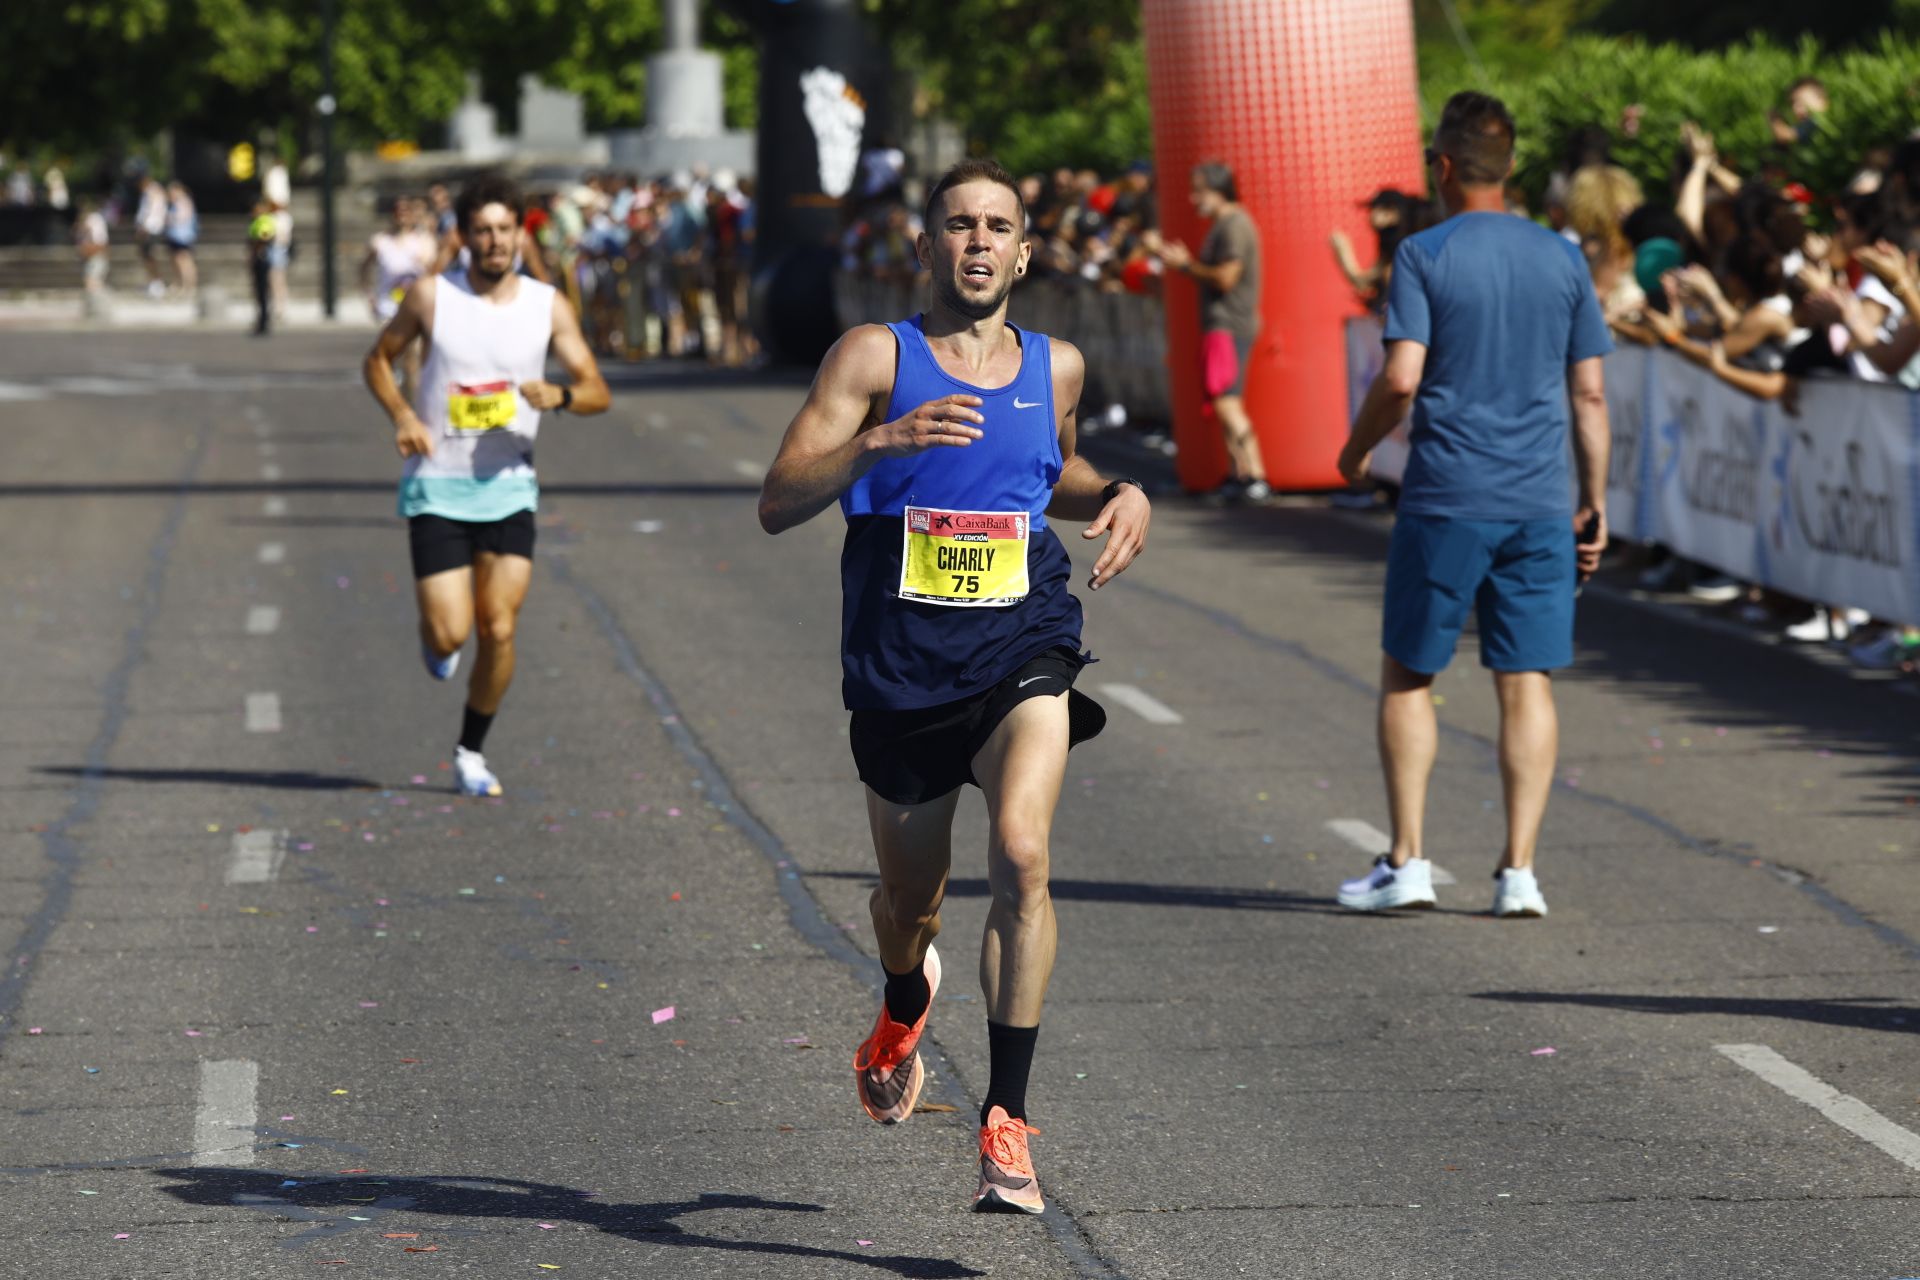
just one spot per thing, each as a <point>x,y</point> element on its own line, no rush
<point>901,654</point>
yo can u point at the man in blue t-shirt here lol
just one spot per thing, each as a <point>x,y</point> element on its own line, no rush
<point>1492,330</point>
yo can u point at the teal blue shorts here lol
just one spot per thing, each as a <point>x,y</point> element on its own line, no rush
<point>1517,576</point>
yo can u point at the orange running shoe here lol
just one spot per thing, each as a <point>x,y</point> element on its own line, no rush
<point>1008,1183</point>
<point>886,1069</point>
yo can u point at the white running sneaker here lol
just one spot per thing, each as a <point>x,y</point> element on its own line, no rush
<point>1716,588</point>
<point>1388,888</point>
<point>1828,624</point>
<point>437,667</point>
<point>1517,893</point>
<point>475,778</point>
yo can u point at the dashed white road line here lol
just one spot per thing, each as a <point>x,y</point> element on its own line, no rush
<point>263,713</point>
<point>263,620</point>
<point>273,505</point>
<point>270,471</point>
<point>229,1107</point>
<point>1851,1114</point>
<point>256,856</point>
<point>272,552</point>
<point>1142,704</point>
<point>1373,842</point>
<point>749,470</point>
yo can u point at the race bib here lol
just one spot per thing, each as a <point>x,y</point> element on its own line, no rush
<point>964,557</point>
<point>481,406</point>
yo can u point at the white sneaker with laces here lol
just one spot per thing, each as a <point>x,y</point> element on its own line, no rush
<point>475,778</point>
<point>1827,624</point>
<point>1388,888</point>
<point>437,667</point>
<point>1516,892</point>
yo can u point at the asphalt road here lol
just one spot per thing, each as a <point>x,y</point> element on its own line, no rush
<point>274,998</point>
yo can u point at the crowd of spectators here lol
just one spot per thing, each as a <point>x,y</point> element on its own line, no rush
<point>655,267</point>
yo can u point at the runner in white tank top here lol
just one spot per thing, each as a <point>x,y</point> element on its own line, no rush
<point>468,488</point>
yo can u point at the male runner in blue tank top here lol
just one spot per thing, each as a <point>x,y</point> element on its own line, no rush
<point>948,441</point>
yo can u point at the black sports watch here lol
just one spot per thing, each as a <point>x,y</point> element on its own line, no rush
<point>1112,490</point>
<point>566,397</point>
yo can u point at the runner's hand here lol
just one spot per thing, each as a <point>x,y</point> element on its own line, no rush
<point>411,437</point>
<point>1125,520</point>
<point>1590,534</point>
<point>946,422</point>
<point>541,395</point>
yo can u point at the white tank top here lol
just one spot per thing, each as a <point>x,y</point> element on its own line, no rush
<point>469,390</point>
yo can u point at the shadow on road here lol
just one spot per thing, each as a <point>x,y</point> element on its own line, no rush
<point>326,1201</point>
<point>1870,1013</point>
<point>1145,895</point>
<point>285,780</point>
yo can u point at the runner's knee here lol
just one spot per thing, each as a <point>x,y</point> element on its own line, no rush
<point>496,626</point>
<point>906,912</point>
<point>1021,879</point>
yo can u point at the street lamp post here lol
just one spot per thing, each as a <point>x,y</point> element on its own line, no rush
<point>329,284</point>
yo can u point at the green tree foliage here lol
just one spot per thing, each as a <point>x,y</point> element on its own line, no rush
<point>1033,82</point>
<point>1875,92</point>
<point>99,73</point>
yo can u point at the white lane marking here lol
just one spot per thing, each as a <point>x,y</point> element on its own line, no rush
<point>263,620</point>
<point>21,391</point>
<point>271,471</point>
<point>272,552</point>
<point>749,470</point>
<point>268,448</point>
<point>1851,1114</point>
<point>1141,703</point>
<point>256,856</point>
<point>1373,842</point>
<point>223,1124</point>
<point>273,505</point>
<point>263,713</point>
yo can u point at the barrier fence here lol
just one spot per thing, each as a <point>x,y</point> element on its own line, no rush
<point>1822,503</point>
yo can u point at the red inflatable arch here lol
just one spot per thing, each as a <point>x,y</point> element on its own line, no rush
<point>1314,104</point>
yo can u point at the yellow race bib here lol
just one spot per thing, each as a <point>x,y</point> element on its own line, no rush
<point>483,406</point>
<point>964,557</point>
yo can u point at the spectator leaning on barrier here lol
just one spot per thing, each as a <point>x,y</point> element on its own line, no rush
<point>1227,269</point>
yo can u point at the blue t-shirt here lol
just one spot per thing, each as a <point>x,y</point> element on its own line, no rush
<point>1504,307</point>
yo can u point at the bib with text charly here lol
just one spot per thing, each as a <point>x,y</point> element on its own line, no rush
<point>481,406</point>
<point>964,557</point>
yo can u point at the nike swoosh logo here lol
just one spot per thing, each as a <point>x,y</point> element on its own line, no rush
<point>1018,403</point>
<point>1029,680</point>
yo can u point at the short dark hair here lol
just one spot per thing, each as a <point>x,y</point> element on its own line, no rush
<point>1476,131</point>
<point>492,188</point>
<point>980,169</point>
<point>1214,175</point>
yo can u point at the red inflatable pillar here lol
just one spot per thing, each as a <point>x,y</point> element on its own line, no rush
<point>1314,104</point>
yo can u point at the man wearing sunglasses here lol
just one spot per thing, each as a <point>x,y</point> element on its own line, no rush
<point>1492,331</point>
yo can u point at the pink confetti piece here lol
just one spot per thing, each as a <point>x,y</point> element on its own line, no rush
<point>343,582</point>
<point>313,928</point>
<point>381,902</point>
<point>369,1004</point>
<point>192,1034</point>
<point>286,1117</point>
<point>367,836</point>
<point>34,1031</point>
<point>419,779</point>
<point>662,1015</point>
<point>124,1235</point>
<point>865,1244</point>
<point>1547,1052</point>
<point>673,813</point>
<point>795,1040</point>
<point>548,1226</point>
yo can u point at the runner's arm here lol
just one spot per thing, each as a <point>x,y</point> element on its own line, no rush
<point>1081,491</point>
<point>834,438</point>
<point>1385,407</point>
<point>413,320</point>
<point>590,394</point>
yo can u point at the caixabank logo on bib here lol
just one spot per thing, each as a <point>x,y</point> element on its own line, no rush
<point>1837,497</point>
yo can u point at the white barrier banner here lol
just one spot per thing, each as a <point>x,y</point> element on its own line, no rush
<point>1822,504</point>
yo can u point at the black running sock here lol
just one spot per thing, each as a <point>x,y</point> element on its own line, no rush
<point>473,729</point>
<point>1010,1058</point>
<point>907,994</point>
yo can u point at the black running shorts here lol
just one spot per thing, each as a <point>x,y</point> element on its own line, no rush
<point>912,757</point>
<point>440,544</point>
